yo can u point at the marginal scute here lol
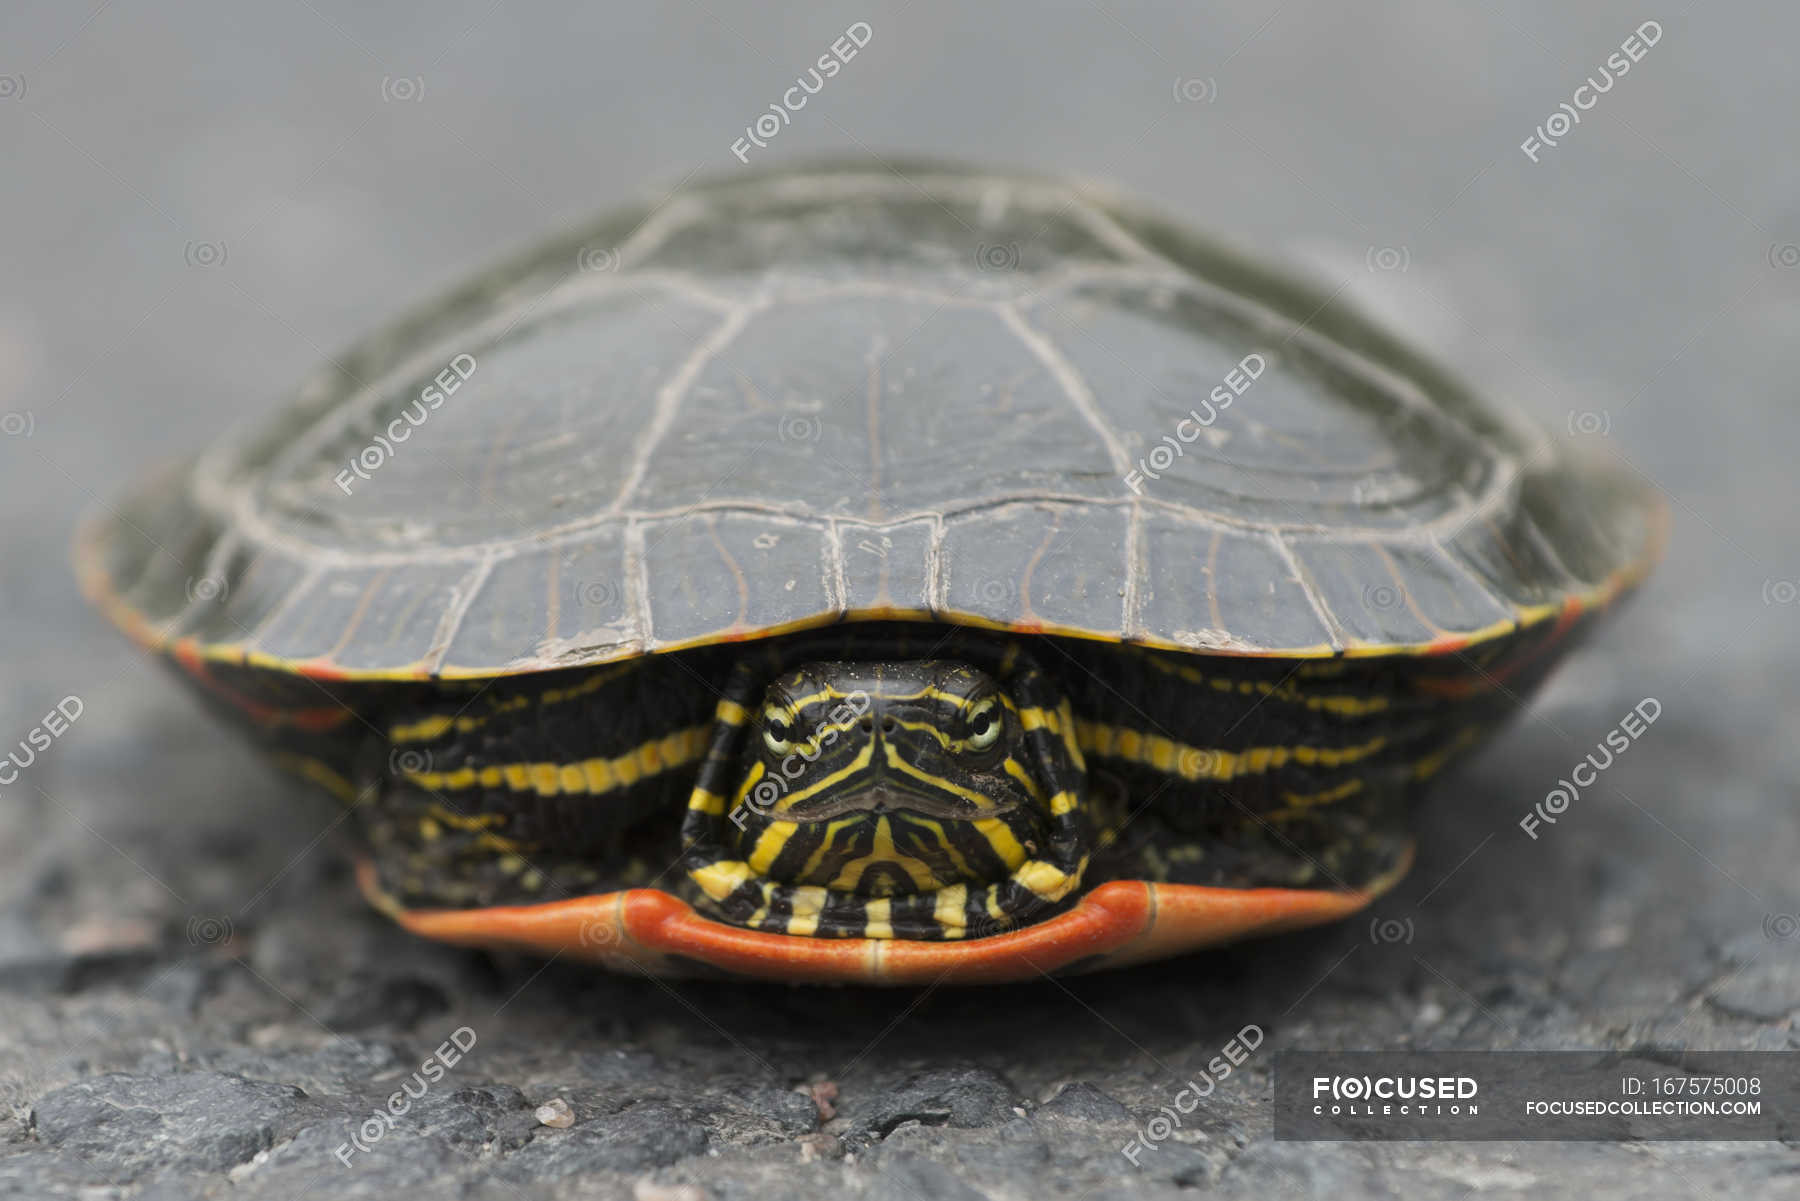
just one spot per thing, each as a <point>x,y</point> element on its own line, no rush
<point>247,589</point>
<point>1442,590</point>
<point>159,557</point>
<point>1512,559</point>
<point>1034,563</point>
<point>395,622</point>
<point>885,565</point>
<point>378,617</point>
<point>1382,594</point>
<point>1592,518</point>
<point>1222,588</point>
<point>538,604</point>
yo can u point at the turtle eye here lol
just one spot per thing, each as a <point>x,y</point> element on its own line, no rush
<point>780,728</point>
<point>983,724</point>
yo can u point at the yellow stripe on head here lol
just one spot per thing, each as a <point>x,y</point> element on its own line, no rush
<point>1000,836</point>
<point>769,843</point>
<point>1019,772</point>
<point>898,763</point>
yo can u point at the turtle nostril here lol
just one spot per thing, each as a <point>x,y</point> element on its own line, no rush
<point>889,725</point>
<point>868,724</point>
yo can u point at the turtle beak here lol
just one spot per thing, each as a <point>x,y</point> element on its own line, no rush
<point>882,795</point>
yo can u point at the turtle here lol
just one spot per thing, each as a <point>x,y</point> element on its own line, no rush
<point>875,574</point>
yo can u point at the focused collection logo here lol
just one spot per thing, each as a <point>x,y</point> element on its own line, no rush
<point>1385,1096</point>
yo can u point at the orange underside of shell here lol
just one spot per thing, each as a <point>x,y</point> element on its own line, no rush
<point>652,932</point>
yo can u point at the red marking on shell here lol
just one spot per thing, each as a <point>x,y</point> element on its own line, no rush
<point>1486,681</point>
<point>186,653</point>
<point>322,669</point>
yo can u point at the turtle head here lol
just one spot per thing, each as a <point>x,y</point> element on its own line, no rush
<point>888,779</point>
<point>917,799</point>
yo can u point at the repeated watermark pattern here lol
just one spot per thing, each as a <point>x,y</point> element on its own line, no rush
<point>40,738</point>
<point>402,89</point>
<point>370,458</point>
<point>800,427</point>
<point>1590,423</point>
<point>1219,1068</point>
<point>1618,740</point>
<point>781,112</point>
<point>997,256</point>
<point>599,932</point>
<point>1381,598</point>
<point>1568,114</point>
<point>1237,381</point>
<point>408,761</point>
<point>596,594</point>
<point>208,589</point>
<point>206,254</point>
<point>375,1127</point>
<point>1388,259</point>
<point>1386,931</point>
<point>210,930</point>
<point>1196,89</point>
<point>594,259</point>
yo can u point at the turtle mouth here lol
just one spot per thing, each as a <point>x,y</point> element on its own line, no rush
<point>886,798</point>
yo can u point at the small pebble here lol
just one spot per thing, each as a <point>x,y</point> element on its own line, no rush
<point>823,1093</point>
<point>556,1113</point>
<point>104,935</point>
<point>820,1146</point>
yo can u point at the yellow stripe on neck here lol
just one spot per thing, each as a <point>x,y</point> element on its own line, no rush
<point>586,777</point>
<point>1208,763</point>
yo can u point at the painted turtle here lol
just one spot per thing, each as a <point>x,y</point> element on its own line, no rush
<point>854,575</point>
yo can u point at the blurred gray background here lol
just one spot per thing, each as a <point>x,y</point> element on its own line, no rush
<point>201,201</point>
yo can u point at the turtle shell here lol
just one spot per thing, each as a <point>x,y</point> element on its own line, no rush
<point>782,399</point>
